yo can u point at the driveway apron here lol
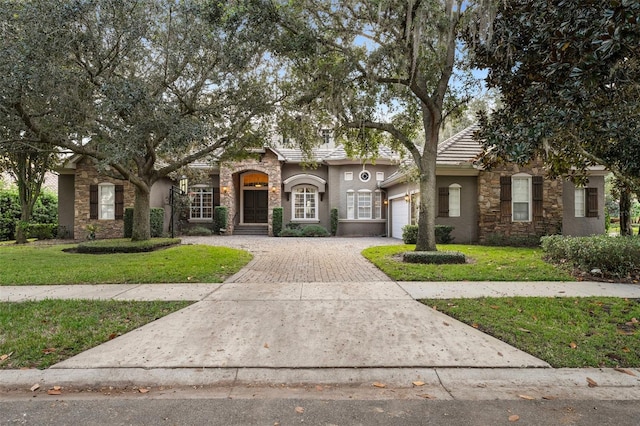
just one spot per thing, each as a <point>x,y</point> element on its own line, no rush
<point>304,303</point>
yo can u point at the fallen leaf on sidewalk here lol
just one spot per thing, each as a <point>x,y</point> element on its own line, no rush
<point>514,418</point>
<point>266,346</point>
<point>319,388</point>
<point>592,383</point>
<point>622,370</point>
<point>549,397</point>
<point>379,385</point>
<point>35,387</point>
<point>56,390</point>
<point>573,345</point>
<point>143,390</point>
<point>299,410</point>
<point>426,396</point>
<point>528,397</point>
<point>445,323</point>
<point>475,325</point>
<point>418,383</point>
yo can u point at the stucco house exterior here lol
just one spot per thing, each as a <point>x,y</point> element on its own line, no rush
<point>373,198</point>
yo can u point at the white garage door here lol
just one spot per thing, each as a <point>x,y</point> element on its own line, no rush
<point>399,216</point>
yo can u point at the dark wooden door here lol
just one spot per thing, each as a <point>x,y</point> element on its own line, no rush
<point>256,206</point>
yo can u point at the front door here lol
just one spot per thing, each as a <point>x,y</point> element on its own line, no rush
<point>255,206</point>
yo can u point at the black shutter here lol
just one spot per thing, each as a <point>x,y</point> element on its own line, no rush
<point>505,198</point>
<point>119,214</point>
<point>443,202</point>
<point>537,189</point>
<point>93,201</point>
<point>592,202</point>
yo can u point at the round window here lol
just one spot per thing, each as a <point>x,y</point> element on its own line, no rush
<point>365,176</point>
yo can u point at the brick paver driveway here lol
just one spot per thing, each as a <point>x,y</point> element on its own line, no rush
<point>302,259</point>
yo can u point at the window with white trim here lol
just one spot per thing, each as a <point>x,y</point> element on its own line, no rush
<point>305,202</point>
<point>521,198</point>
<point>580,202</point>
<point>348,175</point>
<point>379,176</point>
<point>201,199</point>
<point>377,204</point>
<point>326,136</point>
<point>454,200</point>
<point>107,201</point>
<point>364,204</point>
<point>351,204</point>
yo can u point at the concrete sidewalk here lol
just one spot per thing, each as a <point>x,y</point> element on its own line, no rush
<point>313,311</point>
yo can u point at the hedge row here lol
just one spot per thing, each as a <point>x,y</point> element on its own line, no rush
<point>612,256</point>
<point>45,211</point>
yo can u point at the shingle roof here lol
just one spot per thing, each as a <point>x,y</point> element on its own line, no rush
<point>460,148</point>
<point>333,154</point>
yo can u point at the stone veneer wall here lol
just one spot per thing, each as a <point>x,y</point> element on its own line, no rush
<point>267,164</point>
<point>489,220</point>
<point>86,174</point>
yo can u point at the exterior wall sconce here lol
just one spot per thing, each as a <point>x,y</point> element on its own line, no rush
<point>273,189</point>
<point>386,202</point>
<point>406,196</point>
<point>225,189</point>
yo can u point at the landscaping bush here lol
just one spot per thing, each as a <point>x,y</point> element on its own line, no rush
<point>501,240</point>
<point>42,231</point>
<point>410,234</point>
<point>198,231</point>
<point>277,220</point>
<point>334,221</point>
<point>156,222</point>
<point>314,231</point>
<point>613,256</point>
<point>443,234</point>
<point>123,245</point>
<point>290,232</point>
<point>433,257</point>
<point>45,211</point>
<point>219,219</point>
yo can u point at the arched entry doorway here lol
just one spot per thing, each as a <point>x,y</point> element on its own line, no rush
<point>254,187</point>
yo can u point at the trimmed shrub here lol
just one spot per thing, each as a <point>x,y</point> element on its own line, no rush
<point>219,219</point>
<point>198,231</point>
<point>443,234</point>
<point>290,232</point>
<point>410,234</point>
<point>277,220</point>
<point>314,231</point>
<point>156,219</point>
<point>613,256</point>
<point>501,240</point>
<point>334,221</point>
<point>125,245</point>
<point>45,211</point>
<point>42,231</point>
<point>434,257</point>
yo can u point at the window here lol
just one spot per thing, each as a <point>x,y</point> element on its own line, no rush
<point>305,200</point>
<point>521,198</point>
<point>579,202</point>
<point>106,201</point>
<point>364,204</point>
<point>379,176</point>
<point>201,198</point>
<point>454,200</point>
<point>364,176</point>
<point>326,136</point>
<point>377,205</point>
<point>586,202</point>
<point>348,175</point>
<point>351,205</point>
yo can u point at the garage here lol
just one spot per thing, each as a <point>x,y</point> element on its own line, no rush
<point>399,216</point>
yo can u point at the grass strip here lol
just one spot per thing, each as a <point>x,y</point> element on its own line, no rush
<point>48,265</point>
<point>565,332</point>
<point>40,334</point>
<point>485,263</point>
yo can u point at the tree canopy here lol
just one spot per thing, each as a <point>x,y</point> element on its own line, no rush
<point>385,72</point>
<point>143,87</point>
<point>569,75</point>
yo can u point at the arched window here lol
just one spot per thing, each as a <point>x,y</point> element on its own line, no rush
<point>305,203</point>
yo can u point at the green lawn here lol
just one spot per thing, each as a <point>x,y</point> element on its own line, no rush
<point>44,265</point>
<point>40,334</point>
<point>484,263</point>
<point>565,332</point>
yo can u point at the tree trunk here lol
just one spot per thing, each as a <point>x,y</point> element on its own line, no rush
<point>426,240</point>
<point>141,229</point>
<point>625,212</point>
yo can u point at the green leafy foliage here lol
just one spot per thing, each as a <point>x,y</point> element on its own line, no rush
<point>116,245</point>
<point>410,234</point>
<point>442,233</point>
<point>45,211</point>
<point>200,231</point>
<point>277,221</point>
<point>434,257</point>
<point>220,214</point>
<point>156,222</point>
<point>334,221</point>
<point>612,256</point>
